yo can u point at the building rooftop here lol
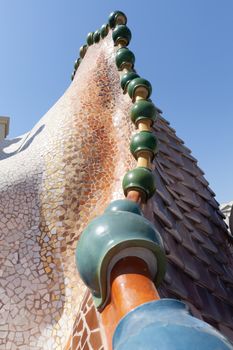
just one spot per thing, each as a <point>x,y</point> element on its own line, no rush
<point>4,127</point>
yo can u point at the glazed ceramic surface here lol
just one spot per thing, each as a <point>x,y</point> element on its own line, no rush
<point>53,181</point>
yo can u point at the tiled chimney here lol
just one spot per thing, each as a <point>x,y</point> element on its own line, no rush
<point>4,127</point>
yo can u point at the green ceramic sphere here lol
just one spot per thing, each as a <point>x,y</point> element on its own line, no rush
<point>136,83</point>
<point>139,179</point>
<point>104,30</point>
<point>143,141</point>
<point>126,78</point>
<point>82,51</point>
<point>123,205</point>
<point>143,109</point>
<point>96,36</point>
<point>110,237</point>
<point>77,63</point>
<point>90,38</point>
<point>117,17</point>
<point>124,55</point>
<point>121,32</point>
<point>72,75</point>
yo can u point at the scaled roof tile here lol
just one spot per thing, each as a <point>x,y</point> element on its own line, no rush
<point>200,259</point>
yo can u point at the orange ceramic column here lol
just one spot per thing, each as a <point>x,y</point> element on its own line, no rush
<point>131,286</point>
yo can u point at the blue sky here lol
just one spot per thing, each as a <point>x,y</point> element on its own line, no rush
<point>184,47</point>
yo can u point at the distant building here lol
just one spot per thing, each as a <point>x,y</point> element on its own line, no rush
<point>226,209</point>
<point>4,127</point>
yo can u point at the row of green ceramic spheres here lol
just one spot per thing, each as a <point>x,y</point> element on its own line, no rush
<point>140,178</point>
<point>94,37</point>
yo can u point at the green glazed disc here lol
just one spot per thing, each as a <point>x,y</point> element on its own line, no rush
<point>72,75</point>
<point>82,51</point>
<point>126,78</point>
<point>77,63</point>
<point>139,179</point>
<point>104,30</point>
<point>144,141</point>
<point>136,83</point>
<point>143,109</point>
<point>117,17</point>
<point>124,56</point>
<point>90,38</point>
<point>121,32</point>
<point>96,36</point>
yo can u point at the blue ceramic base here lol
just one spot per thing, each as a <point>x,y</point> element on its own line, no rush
<point>166,324</point>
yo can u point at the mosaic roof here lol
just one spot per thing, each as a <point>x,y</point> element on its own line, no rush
<point>60,175</point>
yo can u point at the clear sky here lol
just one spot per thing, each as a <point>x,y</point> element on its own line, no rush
<point>184,47</point>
